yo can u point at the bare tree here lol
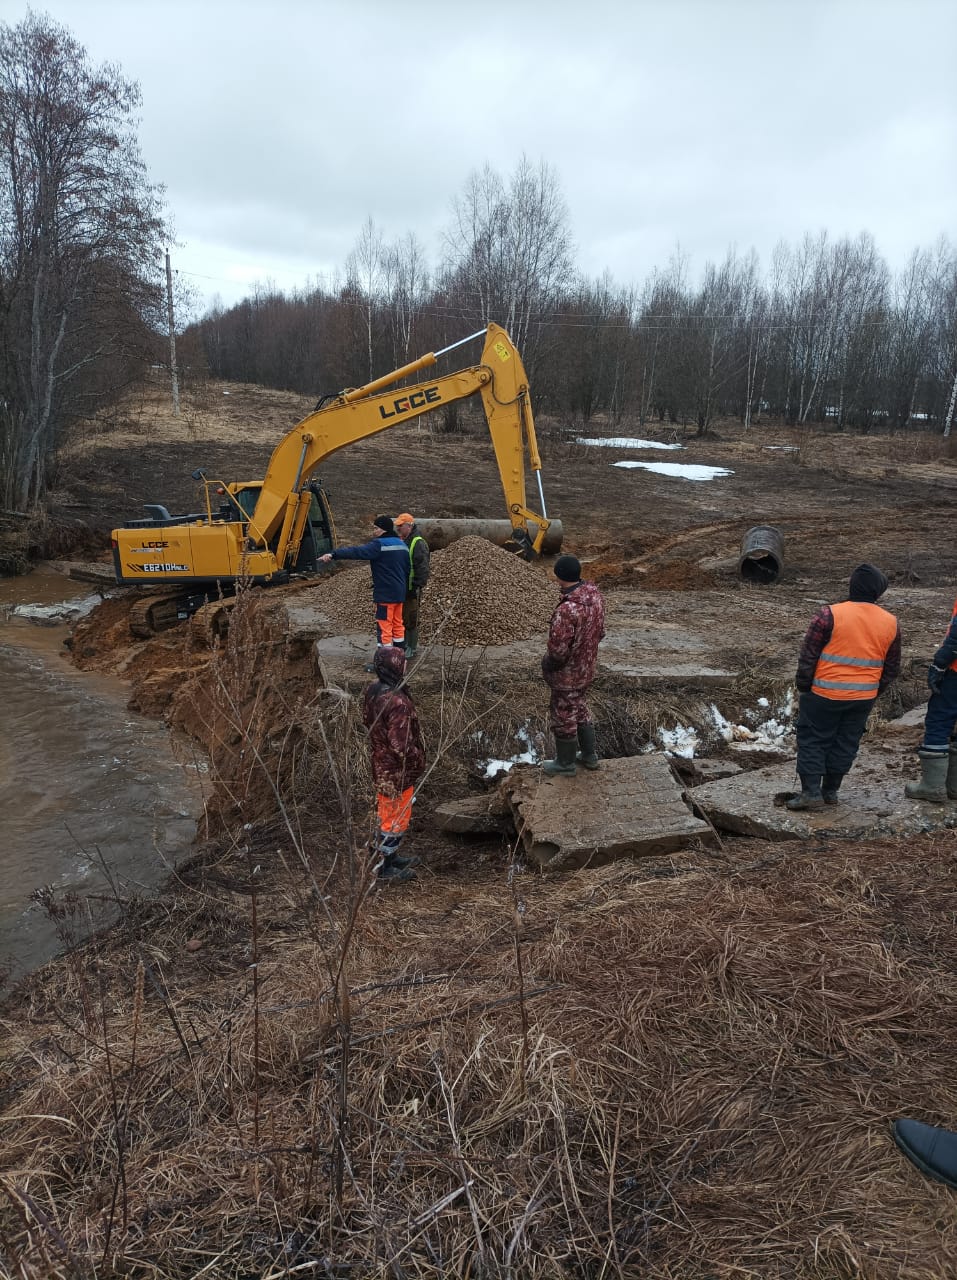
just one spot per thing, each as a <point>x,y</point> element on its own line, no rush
<point>406,288</point>
<point>80,244</point>
<point>510,252</point>
<point>364,267</point>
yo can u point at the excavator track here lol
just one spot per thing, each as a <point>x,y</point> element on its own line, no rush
<point>153,614</point>
<point>209,625</point>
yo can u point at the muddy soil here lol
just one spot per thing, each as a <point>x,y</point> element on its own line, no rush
<point>665,551</point>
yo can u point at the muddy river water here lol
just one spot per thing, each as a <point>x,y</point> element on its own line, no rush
<point>89,792</point>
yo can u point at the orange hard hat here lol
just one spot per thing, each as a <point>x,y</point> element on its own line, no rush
<point>404,518</point>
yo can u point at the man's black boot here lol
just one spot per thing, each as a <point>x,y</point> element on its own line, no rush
<point>394,875</point>
<point>564,762</point>
<point>389,844</point>
<point>831,786</point>
<point>587,747</point>
<point>933,1150</point>
<point>810,799</point>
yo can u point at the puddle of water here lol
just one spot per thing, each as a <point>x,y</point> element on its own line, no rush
<point>82,780</point>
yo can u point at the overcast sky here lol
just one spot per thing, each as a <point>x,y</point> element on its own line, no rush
<point>278,128</point>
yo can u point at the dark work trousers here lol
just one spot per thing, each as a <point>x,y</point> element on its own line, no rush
<point>568,709</point>
<point>829,731</point>
<point>941,716</point>
<point>410,613</point>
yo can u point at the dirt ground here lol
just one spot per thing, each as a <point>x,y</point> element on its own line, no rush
<point>682,1067</point>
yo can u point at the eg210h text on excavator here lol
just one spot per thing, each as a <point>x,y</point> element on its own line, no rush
<point>266,532</point>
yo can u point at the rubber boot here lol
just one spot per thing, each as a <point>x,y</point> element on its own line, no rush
<point>932,1150</point>
<point>934,768</point>
<point>810,799</point>
<point>587,754</point>
<point>394,875</point>
<point>952,773</point>
<point>388,845</point>
<point>564,762</point>
<point>830,787</point>
<point>411,641</point>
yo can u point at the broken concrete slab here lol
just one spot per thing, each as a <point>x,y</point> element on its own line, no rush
<point>689,674</point>
<point>872,802</point>
<point>695,772</point>
<point>483,815</point>
<point>631,807</point>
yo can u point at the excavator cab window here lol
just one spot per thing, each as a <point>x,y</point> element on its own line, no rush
<point>317,537</point>
<point>247,499</point>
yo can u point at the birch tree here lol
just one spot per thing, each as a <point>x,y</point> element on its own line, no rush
<point>509,250</point>
<point>81,240</point>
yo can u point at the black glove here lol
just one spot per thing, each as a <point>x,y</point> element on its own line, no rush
<point>935,677</point>
<point>549,665</point>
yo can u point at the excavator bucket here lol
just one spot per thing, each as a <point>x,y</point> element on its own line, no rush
<point>438,533</point>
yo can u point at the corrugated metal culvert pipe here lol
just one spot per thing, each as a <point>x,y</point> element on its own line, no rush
<point>762,554</point>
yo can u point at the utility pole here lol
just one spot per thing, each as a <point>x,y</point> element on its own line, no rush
<point>172,337</point>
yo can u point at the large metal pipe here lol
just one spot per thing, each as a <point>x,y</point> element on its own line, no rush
<point>438,533</point>
<point>762,554</point>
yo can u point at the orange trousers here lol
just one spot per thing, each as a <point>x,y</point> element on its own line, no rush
<point>389,625</point>
<point>394,815</point>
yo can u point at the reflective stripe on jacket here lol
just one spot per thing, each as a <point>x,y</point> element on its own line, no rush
<point>419,555</point>
<point>851,665</point>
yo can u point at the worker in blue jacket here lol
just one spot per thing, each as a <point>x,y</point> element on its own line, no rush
<point>390,563</point>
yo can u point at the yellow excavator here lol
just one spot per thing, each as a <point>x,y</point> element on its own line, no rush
<point>266,532</point>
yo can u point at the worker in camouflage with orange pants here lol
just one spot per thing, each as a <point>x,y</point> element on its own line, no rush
<point>398,760</point>
<point>574,633</point>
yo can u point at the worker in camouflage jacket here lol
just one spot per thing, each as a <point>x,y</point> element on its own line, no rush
<point>398,759</point>
<point>577,626</point>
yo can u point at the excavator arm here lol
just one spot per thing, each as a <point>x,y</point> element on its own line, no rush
<point>499,379</point>
<point>258,533</point>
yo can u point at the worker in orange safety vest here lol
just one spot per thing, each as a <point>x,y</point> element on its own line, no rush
<point>850,654</point>
<point>938,750</point>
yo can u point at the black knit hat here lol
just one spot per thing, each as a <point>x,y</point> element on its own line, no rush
<point>867,584</point>
<point>568,569</point>
<point>384,523</point>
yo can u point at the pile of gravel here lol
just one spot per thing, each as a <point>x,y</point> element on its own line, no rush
<point>478,594</point>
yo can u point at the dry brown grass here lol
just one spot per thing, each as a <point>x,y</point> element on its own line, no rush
<point>692,1073</point>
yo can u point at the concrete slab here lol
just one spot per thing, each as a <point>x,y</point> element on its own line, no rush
<point>872,802</point>
<point>477,816</point>
<point>690,674</point>
<point>696,772</point>
<point>631,807</point>
<point>647,654</point>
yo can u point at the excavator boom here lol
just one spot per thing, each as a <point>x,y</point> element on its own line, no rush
<point>261,528</point>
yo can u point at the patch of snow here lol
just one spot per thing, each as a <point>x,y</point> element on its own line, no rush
<point>492,768</point>
<point>626,442</point>
<point>679,741</point>
<point>772,733</point>
<point>683,470</point>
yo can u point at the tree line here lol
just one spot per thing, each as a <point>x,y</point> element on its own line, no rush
<point>827,334</point>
